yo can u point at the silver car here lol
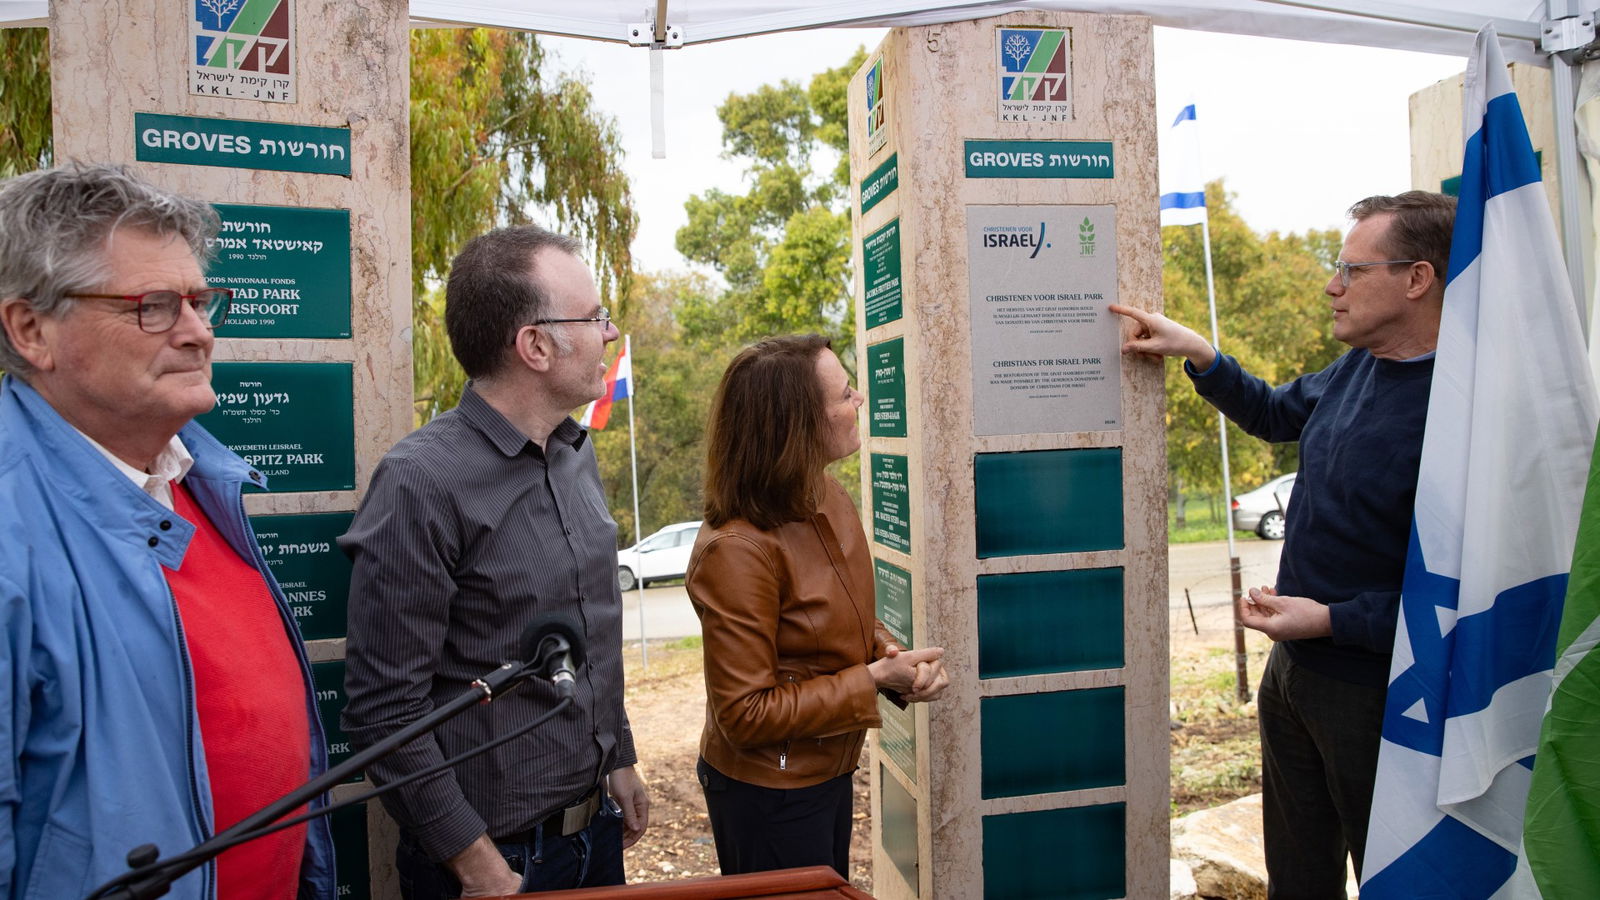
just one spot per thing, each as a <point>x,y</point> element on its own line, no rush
<point>1262,509</point>
<point>659,557</point>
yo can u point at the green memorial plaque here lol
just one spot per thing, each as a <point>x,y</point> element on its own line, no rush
<point>881,183</point>
<point>1086,847</point>
<point>897,737</point>
<point>880,263</point>
<point>899,827</point>
<point>241,144</point>
<point>1031,623</point>
<point>329,680</point>
<point>1083,730</point>
<point>289,269</point>
<point>1048,501</point>
<point>894,600</point>
<point>891,502</point>
<point>354,878</point>
<point>886,388</point>
<point>313,572</point>
<point>292,421</point>
<point>1039,159</point>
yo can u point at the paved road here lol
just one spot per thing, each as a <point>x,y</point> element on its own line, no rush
<point>1202,568</point>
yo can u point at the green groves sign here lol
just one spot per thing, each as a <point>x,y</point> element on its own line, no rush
<point>289,269</point>
<point>292,421</point>
<point>886,388</point>
<point>881,183</point>
<point>314,574</point>
<point>891,502</point>
<point>880,264</point>
<point>1038,159</point>
<point>241,144</point>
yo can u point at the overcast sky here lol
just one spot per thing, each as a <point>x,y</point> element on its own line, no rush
<point>1299,130</point>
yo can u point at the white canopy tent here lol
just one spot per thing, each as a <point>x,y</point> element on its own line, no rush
<point>1541,32</point>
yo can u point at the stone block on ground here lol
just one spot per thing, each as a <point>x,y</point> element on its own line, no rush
<point>1223,848</point>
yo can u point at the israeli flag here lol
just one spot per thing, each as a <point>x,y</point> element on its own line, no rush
<point>1183,190</point>
<point>1511,423</point>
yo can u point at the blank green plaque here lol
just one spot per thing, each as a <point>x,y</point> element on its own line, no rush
<point>1057,741</point>
<point>1059,854</point>
<point>1030,623</point>
<point>899,824</point>
<point>1048,501</point>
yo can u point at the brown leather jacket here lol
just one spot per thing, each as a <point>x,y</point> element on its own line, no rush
<point>788,621</point>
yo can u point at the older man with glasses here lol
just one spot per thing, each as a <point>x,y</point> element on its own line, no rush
<point>155,683</point>
<point>1359,424</point>
<point>481,522</point>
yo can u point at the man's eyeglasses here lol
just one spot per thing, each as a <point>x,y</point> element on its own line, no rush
<point>1343,268</point>
<point>604,318</point>
<point>159,310</point>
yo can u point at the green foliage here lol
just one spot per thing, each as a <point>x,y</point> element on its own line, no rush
<point>26,136</point>
<point>673,381</point>
<point>498,140</point>
<point>783,247</point>
<point>1271,315</point>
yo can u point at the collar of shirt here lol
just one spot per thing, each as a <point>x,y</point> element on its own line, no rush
<point>172,463</point>
<point>506,437</point>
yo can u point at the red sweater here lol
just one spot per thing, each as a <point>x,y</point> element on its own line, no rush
<point>250,695</point>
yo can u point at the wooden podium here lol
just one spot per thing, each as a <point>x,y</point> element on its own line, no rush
<point>813,883</point>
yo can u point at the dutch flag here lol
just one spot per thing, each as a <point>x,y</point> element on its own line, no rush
<point>1511,423</point>
<point>619,385</point>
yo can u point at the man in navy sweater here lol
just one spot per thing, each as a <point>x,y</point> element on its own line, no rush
<point>1332,613</point>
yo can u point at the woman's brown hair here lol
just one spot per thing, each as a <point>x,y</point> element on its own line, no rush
<point>765,444</point>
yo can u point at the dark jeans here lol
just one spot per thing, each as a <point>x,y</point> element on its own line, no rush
<point>1319,757</point>
<point>758,829</point>
<point>589,858</point>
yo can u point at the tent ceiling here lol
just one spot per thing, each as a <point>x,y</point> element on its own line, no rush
<point>1437,26</point>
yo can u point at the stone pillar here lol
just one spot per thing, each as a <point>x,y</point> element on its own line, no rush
<point>1014,473</point>
<point>292,116</point>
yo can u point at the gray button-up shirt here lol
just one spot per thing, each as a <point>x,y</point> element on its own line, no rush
<point>468,533</point>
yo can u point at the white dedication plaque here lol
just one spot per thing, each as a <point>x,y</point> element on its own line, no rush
<point>1045,351</point>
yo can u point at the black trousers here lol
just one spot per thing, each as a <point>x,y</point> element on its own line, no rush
<point>1319,758</point>
<point>758,829</point>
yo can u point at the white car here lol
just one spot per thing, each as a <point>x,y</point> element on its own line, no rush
<point>1262,509</point>
<point>660,556</point>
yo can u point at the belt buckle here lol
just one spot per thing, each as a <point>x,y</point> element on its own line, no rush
<point>575,818</point>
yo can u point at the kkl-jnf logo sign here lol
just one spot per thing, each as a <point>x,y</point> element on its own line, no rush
<point>1034,74</point>
<point>243,49</point>
<point>877,118</point>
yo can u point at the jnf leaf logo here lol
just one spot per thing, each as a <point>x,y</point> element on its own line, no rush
<point>1086,237</point>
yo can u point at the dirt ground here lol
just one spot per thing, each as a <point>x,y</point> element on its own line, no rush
<point>1215,753</point>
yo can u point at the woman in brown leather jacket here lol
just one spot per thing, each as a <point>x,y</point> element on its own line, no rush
<point>781,578</point>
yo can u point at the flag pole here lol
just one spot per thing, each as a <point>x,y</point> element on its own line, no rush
<point>633,458</point>
<point>1241,659</point>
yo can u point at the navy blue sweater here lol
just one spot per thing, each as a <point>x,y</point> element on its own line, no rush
<point>1359,423</point>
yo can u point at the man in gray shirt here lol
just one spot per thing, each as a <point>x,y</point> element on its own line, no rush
<point>483,520</point>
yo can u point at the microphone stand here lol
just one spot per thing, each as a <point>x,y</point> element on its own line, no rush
<point>152,877</point>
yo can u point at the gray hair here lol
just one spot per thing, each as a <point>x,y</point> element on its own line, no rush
<point>54,224</point>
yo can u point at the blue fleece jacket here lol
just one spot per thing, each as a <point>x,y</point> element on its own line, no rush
<point>1359,423</point>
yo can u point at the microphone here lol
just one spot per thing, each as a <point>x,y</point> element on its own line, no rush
<point>553,648</point>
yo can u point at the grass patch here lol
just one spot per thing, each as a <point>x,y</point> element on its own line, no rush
<point>1201,523</point>
<point>692,642</point>
<point>1216,750</point>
